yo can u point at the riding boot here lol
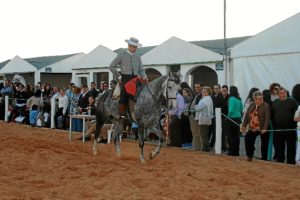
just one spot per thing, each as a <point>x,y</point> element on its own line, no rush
<point>122,108</point>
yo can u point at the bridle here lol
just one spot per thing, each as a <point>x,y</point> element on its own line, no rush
<point>167,94</point>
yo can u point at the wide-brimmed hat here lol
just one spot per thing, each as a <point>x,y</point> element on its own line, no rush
<point>134,42</point>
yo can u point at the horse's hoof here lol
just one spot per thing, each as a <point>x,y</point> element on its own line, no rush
<point>95,150</point>
<point>95,153</point>
<point>143,161</point>
<point>151,155</point>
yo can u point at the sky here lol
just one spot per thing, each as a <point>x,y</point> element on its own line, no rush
<point>32,28</point>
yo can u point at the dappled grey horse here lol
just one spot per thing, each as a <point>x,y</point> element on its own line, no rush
<point>145,112</point>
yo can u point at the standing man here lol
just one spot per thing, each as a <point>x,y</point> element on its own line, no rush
<point>94,92</point>
<point>283,110</point>
<point>83,101</point>
<point>131,66</point>
<point>196,142</point>
<point>224,110</point>
<point>217,99</point>
<point>7,89</point>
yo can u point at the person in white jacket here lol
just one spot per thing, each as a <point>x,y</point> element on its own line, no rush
<point>204,115</point>
<point>62,108</point>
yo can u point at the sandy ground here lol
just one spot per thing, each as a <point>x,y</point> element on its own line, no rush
<point>41,164</point>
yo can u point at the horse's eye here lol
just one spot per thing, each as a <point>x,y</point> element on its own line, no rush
<point>170,87</point>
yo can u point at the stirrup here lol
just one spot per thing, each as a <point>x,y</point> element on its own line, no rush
<point>122,117</point>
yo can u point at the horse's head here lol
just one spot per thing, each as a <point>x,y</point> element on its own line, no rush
<point>170,88</point>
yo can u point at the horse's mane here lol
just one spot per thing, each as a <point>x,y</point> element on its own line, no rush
<point>158,81</point>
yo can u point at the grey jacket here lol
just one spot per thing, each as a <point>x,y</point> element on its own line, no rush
<point>204,111</point>
<point>130,64</point>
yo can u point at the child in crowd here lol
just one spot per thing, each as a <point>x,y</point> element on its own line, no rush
<point>33,115</point>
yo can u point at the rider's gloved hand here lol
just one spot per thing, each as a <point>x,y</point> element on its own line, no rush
<point>145,81</point>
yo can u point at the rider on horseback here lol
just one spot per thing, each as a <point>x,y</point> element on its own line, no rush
<point>131,66</point>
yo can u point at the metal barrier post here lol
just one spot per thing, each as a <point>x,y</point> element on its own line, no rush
<point>218,144</point>
<point>6,109</point>
<point>52,112</point>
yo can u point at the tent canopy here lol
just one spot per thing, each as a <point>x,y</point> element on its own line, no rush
<point>178,51</point>
<point>99,57</point>
<point>270,56</point>
<point>40,62</point>
<point>278,39</point>
<point>64,66</point>
<point>17,65</point>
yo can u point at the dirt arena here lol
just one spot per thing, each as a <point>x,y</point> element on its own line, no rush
<point>41,164</point>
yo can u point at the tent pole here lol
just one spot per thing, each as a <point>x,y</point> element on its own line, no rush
<point>225,48</point>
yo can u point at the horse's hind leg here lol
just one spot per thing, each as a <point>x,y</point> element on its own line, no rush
<point>118,131</point>
<point>141,143</point>
<point>95,136</point>
<point>95,144</point>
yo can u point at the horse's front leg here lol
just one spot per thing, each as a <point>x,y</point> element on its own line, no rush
<point>160,142</point>
<point>142,133</point>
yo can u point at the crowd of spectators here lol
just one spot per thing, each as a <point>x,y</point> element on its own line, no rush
<point>32,104</point>
<point>271,114</point>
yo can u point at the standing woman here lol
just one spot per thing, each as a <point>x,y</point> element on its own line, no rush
<point>249,100</point>
<point>74,110</point>
<point>235,109</point>
<point>257,117</point>
<point>186,132</point>
<point>204,114</point>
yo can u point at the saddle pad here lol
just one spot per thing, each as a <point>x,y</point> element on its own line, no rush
<point>130,86</point>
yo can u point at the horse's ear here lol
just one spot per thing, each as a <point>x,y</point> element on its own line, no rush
<point>177,77</point>
<point>178,74</point>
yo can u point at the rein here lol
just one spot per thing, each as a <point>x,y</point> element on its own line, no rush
<point>152,94</point>
<point>167,94</point>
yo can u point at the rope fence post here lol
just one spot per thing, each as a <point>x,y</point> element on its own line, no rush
<point>6,109</point>
<point>218,144</point>
<point>52,112</point>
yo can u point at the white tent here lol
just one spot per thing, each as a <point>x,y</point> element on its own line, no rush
<point>178,51</point>
<point>99,57</point>
<point>17,65</point>
<point>270,56</point>
<point>63,66</point>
